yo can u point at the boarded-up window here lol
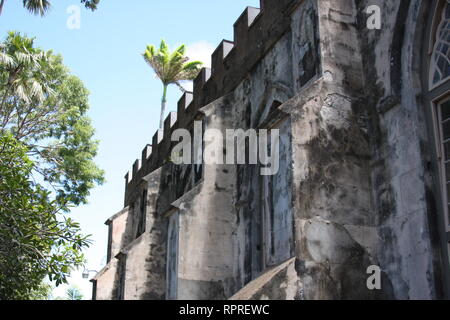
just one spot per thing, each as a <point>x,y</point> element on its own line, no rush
<point>197,151</point>
<point>121,271</point>
<point>277,203</point>
<point>172,257</point>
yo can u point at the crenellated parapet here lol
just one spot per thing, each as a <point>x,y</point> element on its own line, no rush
<point>255,32</point>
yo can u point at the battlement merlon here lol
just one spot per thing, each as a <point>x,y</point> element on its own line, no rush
<point>199,93</point>
<point>218,56</point>
<point>146,153</point>
<point>183,104</point>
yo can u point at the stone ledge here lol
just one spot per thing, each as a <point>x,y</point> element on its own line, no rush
<point>277,283</point>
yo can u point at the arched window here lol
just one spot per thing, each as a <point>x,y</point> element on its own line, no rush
<point>438,94</point>
<point>437,99</point>
<point>440,57</point>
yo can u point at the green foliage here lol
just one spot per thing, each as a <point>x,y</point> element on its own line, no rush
<point>45,107</point>
<point>91,4</point>
<point>46,166</point>
<point>43,292</point>
<point>35,239</point>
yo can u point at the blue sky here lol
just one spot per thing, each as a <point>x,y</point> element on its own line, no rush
<point>125,95</point>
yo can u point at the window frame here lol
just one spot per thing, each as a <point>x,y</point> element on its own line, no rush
<point>441,158</point>
<point>434,95</point>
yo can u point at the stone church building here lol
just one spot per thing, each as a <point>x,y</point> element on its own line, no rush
<point>363,112</point>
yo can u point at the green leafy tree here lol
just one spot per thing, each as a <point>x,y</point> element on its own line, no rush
<point>46,167</point>
<point>170,68</point>
<point>40,7</point>
<point>44,107</point>
<point>43,292</point>
<point>36,239</point>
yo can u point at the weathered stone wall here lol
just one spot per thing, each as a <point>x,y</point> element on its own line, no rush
<point>207,244</point>
<point>106,282</point>
<point>148,252</point>
<point>117,233</point>
<point>278,283</point>
<point>354,189</point>
<point>400,146</point>
<point>270,82</point>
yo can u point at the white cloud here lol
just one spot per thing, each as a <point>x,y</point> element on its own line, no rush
<point>202,51</point>
<point>199,51</point>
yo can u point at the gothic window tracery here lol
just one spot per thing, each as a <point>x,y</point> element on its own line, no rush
<point>440,60</point>
<point>437,98</point>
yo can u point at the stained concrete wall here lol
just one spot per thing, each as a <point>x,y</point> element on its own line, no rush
<point>135,284</point>
<point>270,82</point>
<point>334,224</point>
<point>117,235</point>
<point>404,197</point>
<point>147,254</point>
<point>276,198</point>
<point>361,188</point>
<point>105,282</point>
<point>207,265</point>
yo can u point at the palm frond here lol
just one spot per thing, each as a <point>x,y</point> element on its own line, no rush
<point>151,51</point>
<point>190,70</point>
<point>7,61</point>
<point>21,92</point>
<point>181,49</point>
<point>163,48</point>
<point>37,7</point>
<point>23,58</point>
<point>192,65</point>
<point>36,90</point>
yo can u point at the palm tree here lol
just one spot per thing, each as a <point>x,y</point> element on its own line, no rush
<point>34,6</point>
<point>37,6</point>
<point>23,65</point>
<point>73,293</point>
<point>170,68</point>
<point>42,6</point>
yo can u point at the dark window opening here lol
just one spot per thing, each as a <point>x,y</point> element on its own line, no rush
<point>142,214</point>
<point>121,285</point>
<point>110,239</point>
<point>172,258</point>
<point>275,105</point>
